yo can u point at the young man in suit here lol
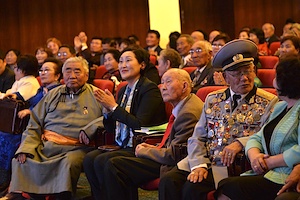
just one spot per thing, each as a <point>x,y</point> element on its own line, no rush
<point>123,174</point>
<point>229,116</point>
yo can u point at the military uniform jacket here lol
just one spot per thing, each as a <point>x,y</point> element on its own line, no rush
<point>219,125</point>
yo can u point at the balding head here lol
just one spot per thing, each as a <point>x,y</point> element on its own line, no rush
<point>176,84</point>
<point>268,29</point>
<point>197,36</point>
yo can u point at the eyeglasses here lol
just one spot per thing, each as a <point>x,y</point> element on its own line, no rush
<point>217,45</point>
<point>62,54</point>
<point>46,71</point>
<point>241,73</point>
<point>197,51</point>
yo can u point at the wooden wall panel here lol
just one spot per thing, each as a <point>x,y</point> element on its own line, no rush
<point>26,25</point>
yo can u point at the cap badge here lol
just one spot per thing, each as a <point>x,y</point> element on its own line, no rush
<point>237,57</point>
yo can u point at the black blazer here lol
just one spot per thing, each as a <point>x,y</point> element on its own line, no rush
<point>206,78</point>
<point>147,108</point>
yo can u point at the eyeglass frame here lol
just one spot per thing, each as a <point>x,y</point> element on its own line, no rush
<point>242,73</point>
<point>197,51</point>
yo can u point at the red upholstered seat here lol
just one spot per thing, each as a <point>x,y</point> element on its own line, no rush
<point>274,47</point>
<point>153,59</point>
<point>204,91</point>
<point>266,76</point>
<point>190,69</point>
<point>268,62</point>
<point>39,80</point>
<point>100,71</point>
<point>122,84</point>
<point>104,84</point>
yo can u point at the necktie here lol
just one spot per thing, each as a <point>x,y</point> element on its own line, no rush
<point>167,132</point>
<point>236,97</point>
<point>197,76</point>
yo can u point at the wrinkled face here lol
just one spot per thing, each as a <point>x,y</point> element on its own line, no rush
<point>162,66</point>
<point>254,38</point>
<point>197,36</point>
<point>268,31</point>
<point>96,46</point>
<point>199,55</point>
<point>243,35</point>
<point>152,40</point>
<point>11,58</point>
<point>63,54</point>
<point>183,46</point>
<point>171,87</point>
<point>129,66</point>
<point>41,56</point>
<point>47,73</point>
<point>110,63</point>
<point>18,73</point>
<point>217,45</point>
<point>54,47</point>
<point>241,81</point>
<point>287,48</point>
<point>75,76</point>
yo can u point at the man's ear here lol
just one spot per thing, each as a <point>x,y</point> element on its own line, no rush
<point>143,65</point>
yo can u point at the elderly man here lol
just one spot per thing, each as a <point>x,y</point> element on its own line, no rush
<point>200,53</point>
<point>224,126</point>
<point>49,159</point>
<point>169,58</point>
<point>269,31</point>
<point>183,45</point>
<point>124,174</point>
<point>198,35</point>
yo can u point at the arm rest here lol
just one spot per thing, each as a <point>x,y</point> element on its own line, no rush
<point>240,165</point>
<point>149,139</point>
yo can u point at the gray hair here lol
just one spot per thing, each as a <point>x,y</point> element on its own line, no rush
<point>80,60</point>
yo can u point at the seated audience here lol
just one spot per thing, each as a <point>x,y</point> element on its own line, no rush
<point>41,53</point>
<point>289,45</point>
<point>24,88</point>
<point>173,36</point>
<point>257,36</point>
<point>111,63</point>
<point>213,34</point>
<point>53,44</point>
<point>152,42</point>
<point>11,58</point>
<point>134,40</point>
<point>151,162</point>
<point>287,27</point>
<point>198,35</point>
<point>201,57</point>
<point>139,104</point>
<point>7,76</point>
<point>219,134</point>
<point>269,32</point>
<point>50,75</point>
<point>218,42</point>
<point>244,34</point>
<point>169,58</point>
<point>124,44</point>
<point>296,28</point>
<point>184,44</point>
<point>274,150</point>
<point>57,137</point>
<point>65,51</point>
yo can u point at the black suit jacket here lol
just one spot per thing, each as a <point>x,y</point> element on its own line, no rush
<point>147,108</point>
<point>92,60</point>
<point>7,79</point>
<point>206,77</point>
<point>157,49</point>
<point>273,38</point>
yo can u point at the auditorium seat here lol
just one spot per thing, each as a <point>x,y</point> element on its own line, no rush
<point>100,71</point>
<point>266,76</point>
<point>153,59</point>
<point>274,47</point>
<point>190,69</point>
<point>122,84</point>
<point>204,91</point>
<point>268,62</point>
<point>104,84</point>
<point>39,80</point>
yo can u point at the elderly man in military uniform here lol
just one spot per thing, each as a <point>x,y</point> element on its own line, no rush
<point>229,116</point>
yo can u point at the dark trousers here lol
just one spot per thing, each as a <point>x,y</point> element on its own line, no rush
<point>289,196</point>
<point>175,186</point>
<point>93,165</point>
<point>249,188</point>
<point>123,175</point>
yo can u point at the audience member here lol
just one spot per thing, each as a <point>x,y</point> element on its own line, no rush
<point>169,58</point>
<point>184,44</point>
<point>274,150</point>
<point>24,88</point>
<point>257,36</point>
<point>7,76</point>
<point>218,42</point>
<point>289,45</point>
<point>134,40</point>
<point>223,127</point>
<point>173,39</point>
<point>111,63</point>
<point>244,34</point>
<point>198,35</point>
<point>50,75</point>
<point>152,42</point>
<point>41,53</point>
<point>93,54</point>
<point>269,31</point>
<point>151,162</point>
<point>124,44</point>
<point>57,137</point>
<point>201,52</point>
<point>65,52</point>
<point>53,44</point>
<point>296,28</point>
<point>213,34</point>
<point>139,104</point>
<point>287,27</point>
<point>11,58</point>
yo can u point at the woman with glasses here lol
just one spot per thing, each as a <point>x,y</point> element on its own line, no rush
<point>25,87</point>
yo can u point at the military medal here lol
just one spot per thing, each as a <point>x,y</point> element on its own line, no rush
<point>208,111</point>
<point>85,111</point>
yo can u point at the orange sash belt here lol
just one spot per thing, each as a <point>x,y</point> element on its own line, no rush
<point>59,139</point>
